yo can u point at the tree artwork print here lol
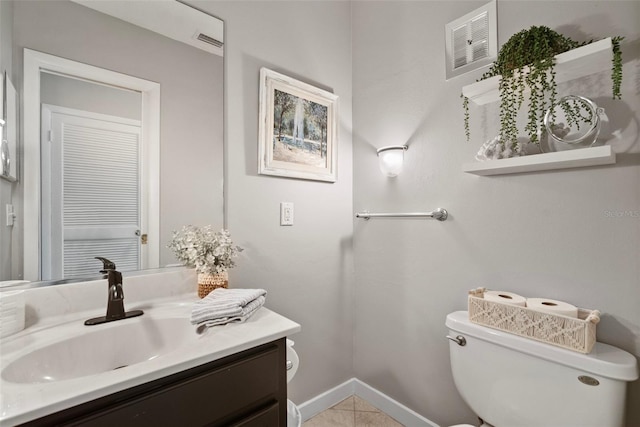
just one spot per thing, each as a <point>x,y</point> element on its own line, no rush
<point>299,130</point>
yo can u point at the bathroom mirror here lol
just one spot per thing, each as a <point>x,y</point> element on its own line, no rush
<point>71,45</point>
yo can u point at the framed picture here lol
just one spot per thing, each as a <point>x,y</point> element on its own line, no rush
<point>298,129</point>
<point>9,126</point>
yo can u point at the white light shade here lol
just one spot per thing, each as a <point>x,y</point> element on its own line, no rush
<point>391,159</point>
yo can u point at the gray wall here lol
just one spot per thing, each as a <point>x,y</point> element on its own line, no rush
<point>307,269</point>
<point>191,99</point>
<point>552,234</point>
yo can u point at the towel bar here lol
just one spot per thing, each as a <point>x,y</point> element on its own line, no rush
<point>439,214</point>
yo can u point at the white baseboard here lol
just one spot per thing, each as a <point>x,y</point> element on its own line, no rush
<point>395,409</point>
<point>378,399</point>
<point>327,399</point>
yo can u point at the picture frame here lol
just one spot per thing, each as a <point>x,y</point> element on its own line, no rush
<point>298,135</point>
<point>9,127</point>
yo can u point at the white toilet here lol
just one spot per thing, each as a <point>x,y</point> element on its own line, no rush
<point>509,380</point>
<point>294,419</point>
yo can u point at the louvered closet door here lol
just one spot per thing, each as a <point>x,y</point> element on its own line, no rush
<point>96,172</point>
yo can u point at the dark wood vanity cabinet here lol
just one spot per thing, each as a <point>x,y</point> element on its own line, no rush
<point>247,389</point>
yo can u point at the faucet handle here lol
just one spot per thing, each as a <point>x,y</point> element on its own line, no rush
<point>106,265</point>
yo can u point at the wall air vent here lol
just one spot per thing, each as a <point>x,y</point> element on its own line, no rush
<point>173,19</point>
<point>207,39</point>
<point>471,41</point>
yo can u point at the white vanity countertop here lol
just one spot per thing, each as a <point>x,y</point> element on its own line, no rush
<point>22,402</point>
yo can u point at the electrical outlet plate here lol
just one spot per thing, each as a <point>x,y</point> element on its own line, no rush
<point>286,213</point>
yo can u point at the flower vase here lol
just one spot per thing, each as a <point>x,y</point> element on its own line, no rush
<point>208,282</point>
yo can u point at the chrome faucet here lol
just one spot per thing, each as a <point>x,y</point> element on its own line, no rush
<point>115,302</point>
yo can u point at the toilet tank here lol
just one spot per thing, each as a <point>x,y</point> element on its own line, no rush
<point>511,381</point>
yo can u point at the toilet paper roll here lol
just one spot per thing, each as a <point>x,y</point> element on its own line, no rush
<point>552,306</point>
<point>505,298</point>
<point>293,361</point>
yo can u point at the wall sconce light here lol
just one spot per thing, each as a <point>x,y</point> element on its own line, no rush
<point>391,159</point>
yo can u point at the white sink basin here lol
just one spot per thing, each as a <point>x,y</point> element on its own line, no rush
<point>101,348</point>
<point>57,362</point>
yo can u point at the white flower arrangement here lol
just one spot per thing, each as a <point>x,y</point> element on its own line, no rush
<point>208,251</point>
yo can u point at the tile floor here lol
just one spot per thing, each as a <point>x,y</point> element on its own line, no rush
<point>352,412</point>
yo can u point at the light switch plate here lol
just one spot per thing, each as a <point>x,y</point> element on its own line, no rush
<point>286,213</point>
<point>10,215</point>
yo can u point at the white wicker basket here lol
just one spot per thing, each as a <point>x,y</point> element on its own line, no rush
<point>567,332</point>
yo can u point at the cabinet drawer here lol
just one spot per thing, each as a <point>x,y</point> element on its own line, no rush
<point>267,417</point>
<point>213,398</point>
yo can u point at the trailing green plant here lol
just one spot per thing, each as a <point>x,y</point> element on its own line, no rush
<point>616,69</point>
<point>465,106</point>
<point>526,61</point>
<point>573,111</point>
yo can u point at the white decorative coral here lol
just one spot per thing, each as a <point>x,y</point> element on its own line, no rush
<point>208,251</point>
<point>496,149</point>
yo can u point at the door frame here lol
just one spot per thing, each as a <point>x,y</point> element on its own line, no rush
<point>34,63</point>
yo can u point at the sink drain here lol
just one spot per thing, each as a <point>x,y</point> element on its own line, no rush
<point>120,367</point>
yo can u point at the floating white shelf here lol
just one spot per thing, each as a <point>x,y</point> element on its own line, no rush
<point>576,63</point>
<point>581,157</point>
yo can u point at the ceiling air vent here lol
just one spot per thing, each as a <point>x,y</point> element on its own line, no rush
<point>471,41</point>
<point>206,39</point>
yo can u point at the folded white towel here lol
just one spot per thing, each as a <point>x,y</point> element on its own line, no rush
<point>227,305</point>
<point>247,312</point>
